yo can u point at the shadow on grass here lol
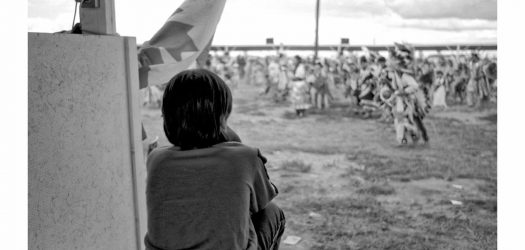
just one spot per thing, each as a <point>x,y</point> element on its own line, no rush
<point>493,118</point>
<point>335,113</point>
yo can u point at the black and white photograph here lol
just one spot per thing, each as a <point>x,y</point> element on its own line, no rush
<point>263,124</point>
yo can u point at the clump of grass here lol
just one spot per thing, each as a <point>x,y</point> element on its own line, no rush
<point>377,190</point>
<point>296,166</point>
<point>290,115</point>
<point>258,113</point>
<point>330,165</point>
<point>286,188</point>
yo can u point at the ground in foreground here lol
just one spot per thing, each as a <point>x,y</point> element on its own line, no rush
<point>345,184</point>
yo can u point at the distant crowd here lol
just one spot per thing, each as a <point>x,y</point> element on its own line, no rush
<point>451,79</point>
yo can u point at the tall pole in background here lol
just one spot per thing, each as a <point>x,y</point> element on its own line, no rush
<point>316,29</point>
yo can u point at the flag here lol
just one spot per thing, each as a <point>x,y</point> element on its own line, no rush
<point>182,43</point>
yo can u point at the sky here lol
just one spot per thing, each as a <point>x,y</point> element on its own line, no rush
<point>250,22</point>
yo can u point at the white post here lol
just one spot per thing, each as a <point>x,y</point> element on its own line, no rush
<point>316,46</point>
<point>98,20</point>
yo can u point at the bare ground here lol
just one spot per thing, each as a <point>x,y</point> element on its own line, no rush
<point>345,184</point>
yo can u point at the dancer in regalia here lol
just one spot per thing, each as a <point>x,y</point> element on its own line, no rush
<point>408,101</point>
<point>490,71</point>
<point>321,97</point>
<point>478,87</point>
<point>385,90</point>
<point>273,76</point>
<point>459,85</point>
<point>283,84</point>
<point>300,89</point>
<point>440,90</point>
<point>367,85</point>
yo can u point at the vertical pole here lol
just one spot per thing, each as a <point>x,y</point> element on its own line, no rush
<point>98,19</point>
<point>316,29</point>
<point>137,161</point>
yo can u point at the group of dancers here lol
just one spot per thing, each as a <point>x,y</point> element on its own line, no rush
<point>401,86</point>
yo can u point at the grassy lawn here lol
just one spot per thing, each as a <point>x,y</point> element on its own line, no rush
<point>345,184</point>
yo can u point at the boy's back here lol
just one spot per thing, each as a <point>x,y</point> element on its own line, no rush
<point>203,198</point>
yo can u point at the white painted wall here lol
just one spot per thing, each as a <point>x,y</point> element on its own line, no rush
<point>86,185</point>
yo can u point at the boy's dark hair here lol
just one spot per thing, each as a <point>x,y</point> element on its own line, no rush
<point>195,107</point>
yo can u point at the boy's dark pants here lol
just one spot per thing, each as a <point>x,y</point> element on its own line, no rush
<point>269,225</point>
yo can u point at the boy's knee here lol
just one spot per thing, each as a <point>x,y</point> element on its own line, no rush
<point>270,218</point>
<point>273,213</point>
<point>269,225</point>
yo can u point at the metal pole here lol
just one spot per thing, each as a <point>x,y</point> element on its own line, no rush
<point>316,29</point>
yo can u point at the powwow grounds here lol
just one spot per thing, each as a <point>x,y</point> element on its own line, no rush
<point>345,184</point>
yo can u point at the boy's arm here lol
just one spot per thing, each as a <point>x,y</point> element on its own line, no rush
<point>263,189</point>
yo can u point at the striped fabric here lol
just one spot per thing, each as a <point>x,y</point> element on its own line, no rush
<point>182,43</point>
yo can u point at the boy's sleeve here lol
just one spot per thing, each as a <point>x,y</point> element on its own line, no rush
<point>263,190</point>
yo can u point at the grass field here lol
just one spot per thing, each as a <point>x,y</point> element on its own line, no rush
<point>345,184</point>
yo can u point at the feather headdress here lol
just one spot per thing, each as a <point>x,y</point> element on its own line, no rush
<point>403,54</point>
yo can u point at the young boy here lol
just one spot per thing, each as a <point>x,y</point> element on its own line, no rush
<point>207,191</point>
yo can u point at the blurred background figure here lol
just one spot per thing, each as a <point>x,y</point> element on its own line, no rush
<point>300,90</point>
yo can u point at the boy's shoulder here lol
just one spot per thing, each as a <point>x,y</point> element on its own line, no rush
<point>238,147</point>
<point>158,154</point>
<point>233,154</point>
<point>228,148</point>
